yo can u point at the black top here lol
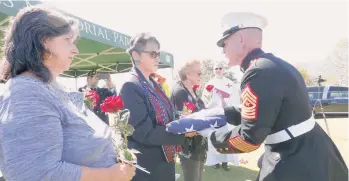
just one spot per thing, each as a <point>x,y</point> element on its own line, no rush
<point>103,94</point>
<point>194,148</point>
<point>148,137</point>
<point>274,97</point>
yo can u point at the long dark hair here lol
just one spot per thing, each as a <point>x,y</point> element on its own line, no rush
<point>24,41</point>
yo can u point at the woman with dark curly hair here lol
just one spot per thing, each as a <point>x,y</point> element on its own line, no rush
<point>46,132</point>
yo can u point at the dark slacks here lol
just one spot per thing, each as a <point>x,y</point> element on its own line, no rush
<point>156,164</point>
<point>192,170</point>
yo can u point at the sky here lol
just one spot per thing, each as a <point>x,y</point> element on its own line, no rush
<point>297,31</point>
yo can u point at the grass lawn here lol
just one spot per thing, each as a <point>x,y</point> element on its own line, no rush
<point>235,174</point>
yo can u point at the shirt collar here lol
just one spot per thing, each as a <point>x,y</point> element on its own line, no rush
<point>254,54</point>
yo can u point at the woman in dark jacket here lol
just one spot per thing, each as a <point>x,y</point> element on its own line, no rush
<point>194,149</point>
<point>150,111</point>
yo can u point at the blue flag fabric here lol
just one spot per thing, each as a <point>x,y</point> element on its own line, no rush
<point>195,123</point>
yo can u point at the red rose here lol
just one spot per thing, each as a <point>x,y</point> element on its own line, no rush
<point>195,87</point>
<point>92,97</point>
<point>112,104</point>
<point>209,88</point>
<point>190,106</point>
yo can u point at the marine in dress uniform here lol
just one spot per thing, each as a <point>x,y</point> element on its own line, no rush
<point>276,110</point>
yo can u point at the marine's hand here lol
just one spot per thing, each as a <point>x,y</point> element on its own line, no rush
<point>206,132</point>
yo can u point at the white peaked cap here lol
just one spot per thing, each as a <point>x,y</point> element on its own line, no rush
<point>235,21</point>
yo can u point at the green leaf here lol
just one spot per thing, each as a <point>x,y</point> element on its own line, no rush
<point>128,155</point>
<point>129,130</point>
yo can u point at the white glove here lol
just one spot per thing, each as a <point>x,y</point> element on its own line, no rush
<point>223,131</point>
<point>206,132</point>
<point>207,113</point>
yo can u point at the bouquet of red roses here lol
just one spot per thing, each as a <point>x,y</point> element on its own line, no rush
<point>119,124</point>
<point>189,107</point>
<point>91,98</point>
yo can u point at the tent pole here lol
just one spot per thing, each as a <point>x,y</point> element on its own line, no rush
<point>76,84</point>
<point>76,81</point>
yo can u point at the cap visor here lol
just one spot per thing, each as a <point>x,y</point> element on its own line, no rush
<point>220,42</point>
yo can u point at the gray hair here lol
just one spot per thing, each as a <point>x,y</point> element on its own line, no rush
<point>182,73</point>
<point>139,42</point>
<point>219,64</point>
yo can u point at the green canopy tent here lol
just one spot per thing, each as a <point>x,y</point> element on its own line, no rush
<point>100,48</point>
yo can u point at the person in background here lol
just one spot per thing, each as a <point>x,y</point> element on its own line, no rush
<point>193,155</point>
<point>93,78</point>
<point>228,95</point>
<point>46,132</point>
<point>150,110</point>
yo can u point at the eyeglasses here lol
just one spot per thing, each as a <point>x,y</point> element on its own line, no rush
<point>218,68</point>
<point>198,73</point>
<point>153,54</point>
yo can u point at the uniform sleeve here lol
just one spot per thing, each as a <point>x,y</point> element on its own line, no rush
<point>32,140</point>
<point>145,131</point>
<point>261,96</point>
<point>233,115</point>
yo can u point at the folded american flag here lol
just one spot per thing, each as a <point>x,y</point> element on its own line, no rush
<point>196,122</point>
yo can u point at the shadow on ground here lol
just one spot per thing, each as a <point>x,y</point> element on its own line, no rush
<point>320,116</point>
<point>235,174</point>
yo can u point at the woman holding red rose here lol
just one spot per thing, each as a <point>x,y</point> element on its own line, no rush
<point>184,97</point>
<point>47,132</point>
<point>150,110</point>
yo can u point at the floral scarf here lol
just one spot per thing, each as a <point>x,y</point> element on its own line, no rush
<point>162,107</point>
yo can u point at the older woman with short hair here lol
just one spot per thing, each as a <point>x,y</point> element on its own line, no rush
<point>193,155</point>
<point>150,110</point>
<point>46,132</point>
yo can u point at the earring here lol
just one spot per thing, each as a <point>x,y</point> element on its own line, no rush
<point>48,51</point>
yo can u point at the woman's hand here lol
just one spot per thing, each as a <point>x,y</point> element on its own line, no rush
<point>123,172</point>
<point>191,134</point>
<point>121,156</point>
<point>184,114</point>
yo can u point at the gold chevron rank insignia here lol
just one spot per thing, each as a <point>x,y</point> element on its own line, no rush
<point>242,145</point>
<point>249,110</point>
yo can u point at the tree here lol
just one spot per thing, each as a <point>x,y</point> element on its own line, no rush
<point>206,71</point>
<point>339,58</point>
<point>309,80</point>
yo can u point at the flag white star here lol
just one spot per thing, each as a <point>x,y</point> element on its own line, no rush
<point>191,129</point>
<point>214,126</point>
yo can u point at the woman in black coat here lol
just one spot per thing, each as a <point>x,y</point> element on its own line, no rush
<point>194,149</point>
<point>150,111</point>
